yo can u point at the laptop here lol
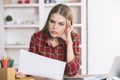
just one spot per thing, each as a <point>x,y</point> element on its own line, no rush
<point>114,73</point>
<point>115,69</point>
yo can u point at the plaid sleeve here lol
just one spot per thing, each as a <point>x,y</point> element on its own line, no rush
<point>32,46</point>
<point>72,67</point>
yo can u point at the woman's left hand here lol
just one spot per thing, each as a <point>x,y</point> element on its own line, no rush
<point>66,36</point>
<point>20,75</point>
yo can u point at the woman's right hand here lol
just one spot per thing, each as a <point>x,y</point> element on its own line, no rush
<point>20,75</point>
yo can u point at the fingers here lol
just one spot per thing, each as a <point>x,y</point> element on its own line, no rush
<point>68,23</point>
<point>67,31</point>
<point>69,26</point>
<point>20,75</point>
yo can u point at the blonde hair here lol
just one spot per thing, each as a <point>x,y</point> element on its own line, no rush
<point>63,10</point>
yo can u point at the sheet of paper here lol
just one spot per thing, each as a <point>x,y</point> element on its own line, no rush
<point>37,65</point>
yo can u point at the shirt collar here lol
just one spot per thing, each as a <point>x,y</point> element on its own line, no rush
<point>61,41</point>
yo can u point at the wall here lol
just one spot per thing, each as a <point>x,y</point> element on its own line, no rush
<point>103,34</point>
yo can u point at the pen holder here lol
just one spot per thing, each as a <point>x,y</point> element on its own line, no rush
<point>7,73</point>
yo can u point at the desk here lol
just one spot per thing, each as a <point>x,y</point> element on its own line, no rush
<point>26,78</point>
<point>34,78</point>
<point>77,76</point>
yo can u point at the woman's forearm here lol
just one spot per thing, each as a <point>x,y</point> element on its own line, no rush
<point>70,53</point>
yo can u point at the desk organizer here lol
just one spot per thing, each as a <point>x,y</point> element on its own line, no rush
<point>7,73</point>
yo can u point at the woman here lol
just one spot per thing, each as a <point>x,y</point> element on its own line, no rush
<point>57,40</point>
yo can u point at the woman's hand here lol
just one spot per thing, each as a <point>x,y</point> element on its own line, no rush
<point>20,75</point>
<point>66,36</point>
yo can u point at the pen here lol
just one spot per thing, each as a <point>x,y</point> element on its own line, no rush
<point>10,62</point>
<point>1,63</point>
<point>5,62</point>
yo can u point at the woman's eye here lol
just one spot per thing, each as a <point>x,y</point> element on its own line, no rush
<point>51,21</point>
<point>61,24</point>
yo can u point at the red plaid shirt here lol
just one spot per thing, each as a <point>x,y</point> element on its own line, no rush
<point>39,44</point>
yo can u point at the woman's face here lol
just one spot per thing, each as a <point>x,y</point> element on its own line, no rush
<point>56,25</point>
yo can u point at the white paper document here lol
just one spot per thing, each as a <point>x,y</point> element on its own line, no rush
<point>37,65</point>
